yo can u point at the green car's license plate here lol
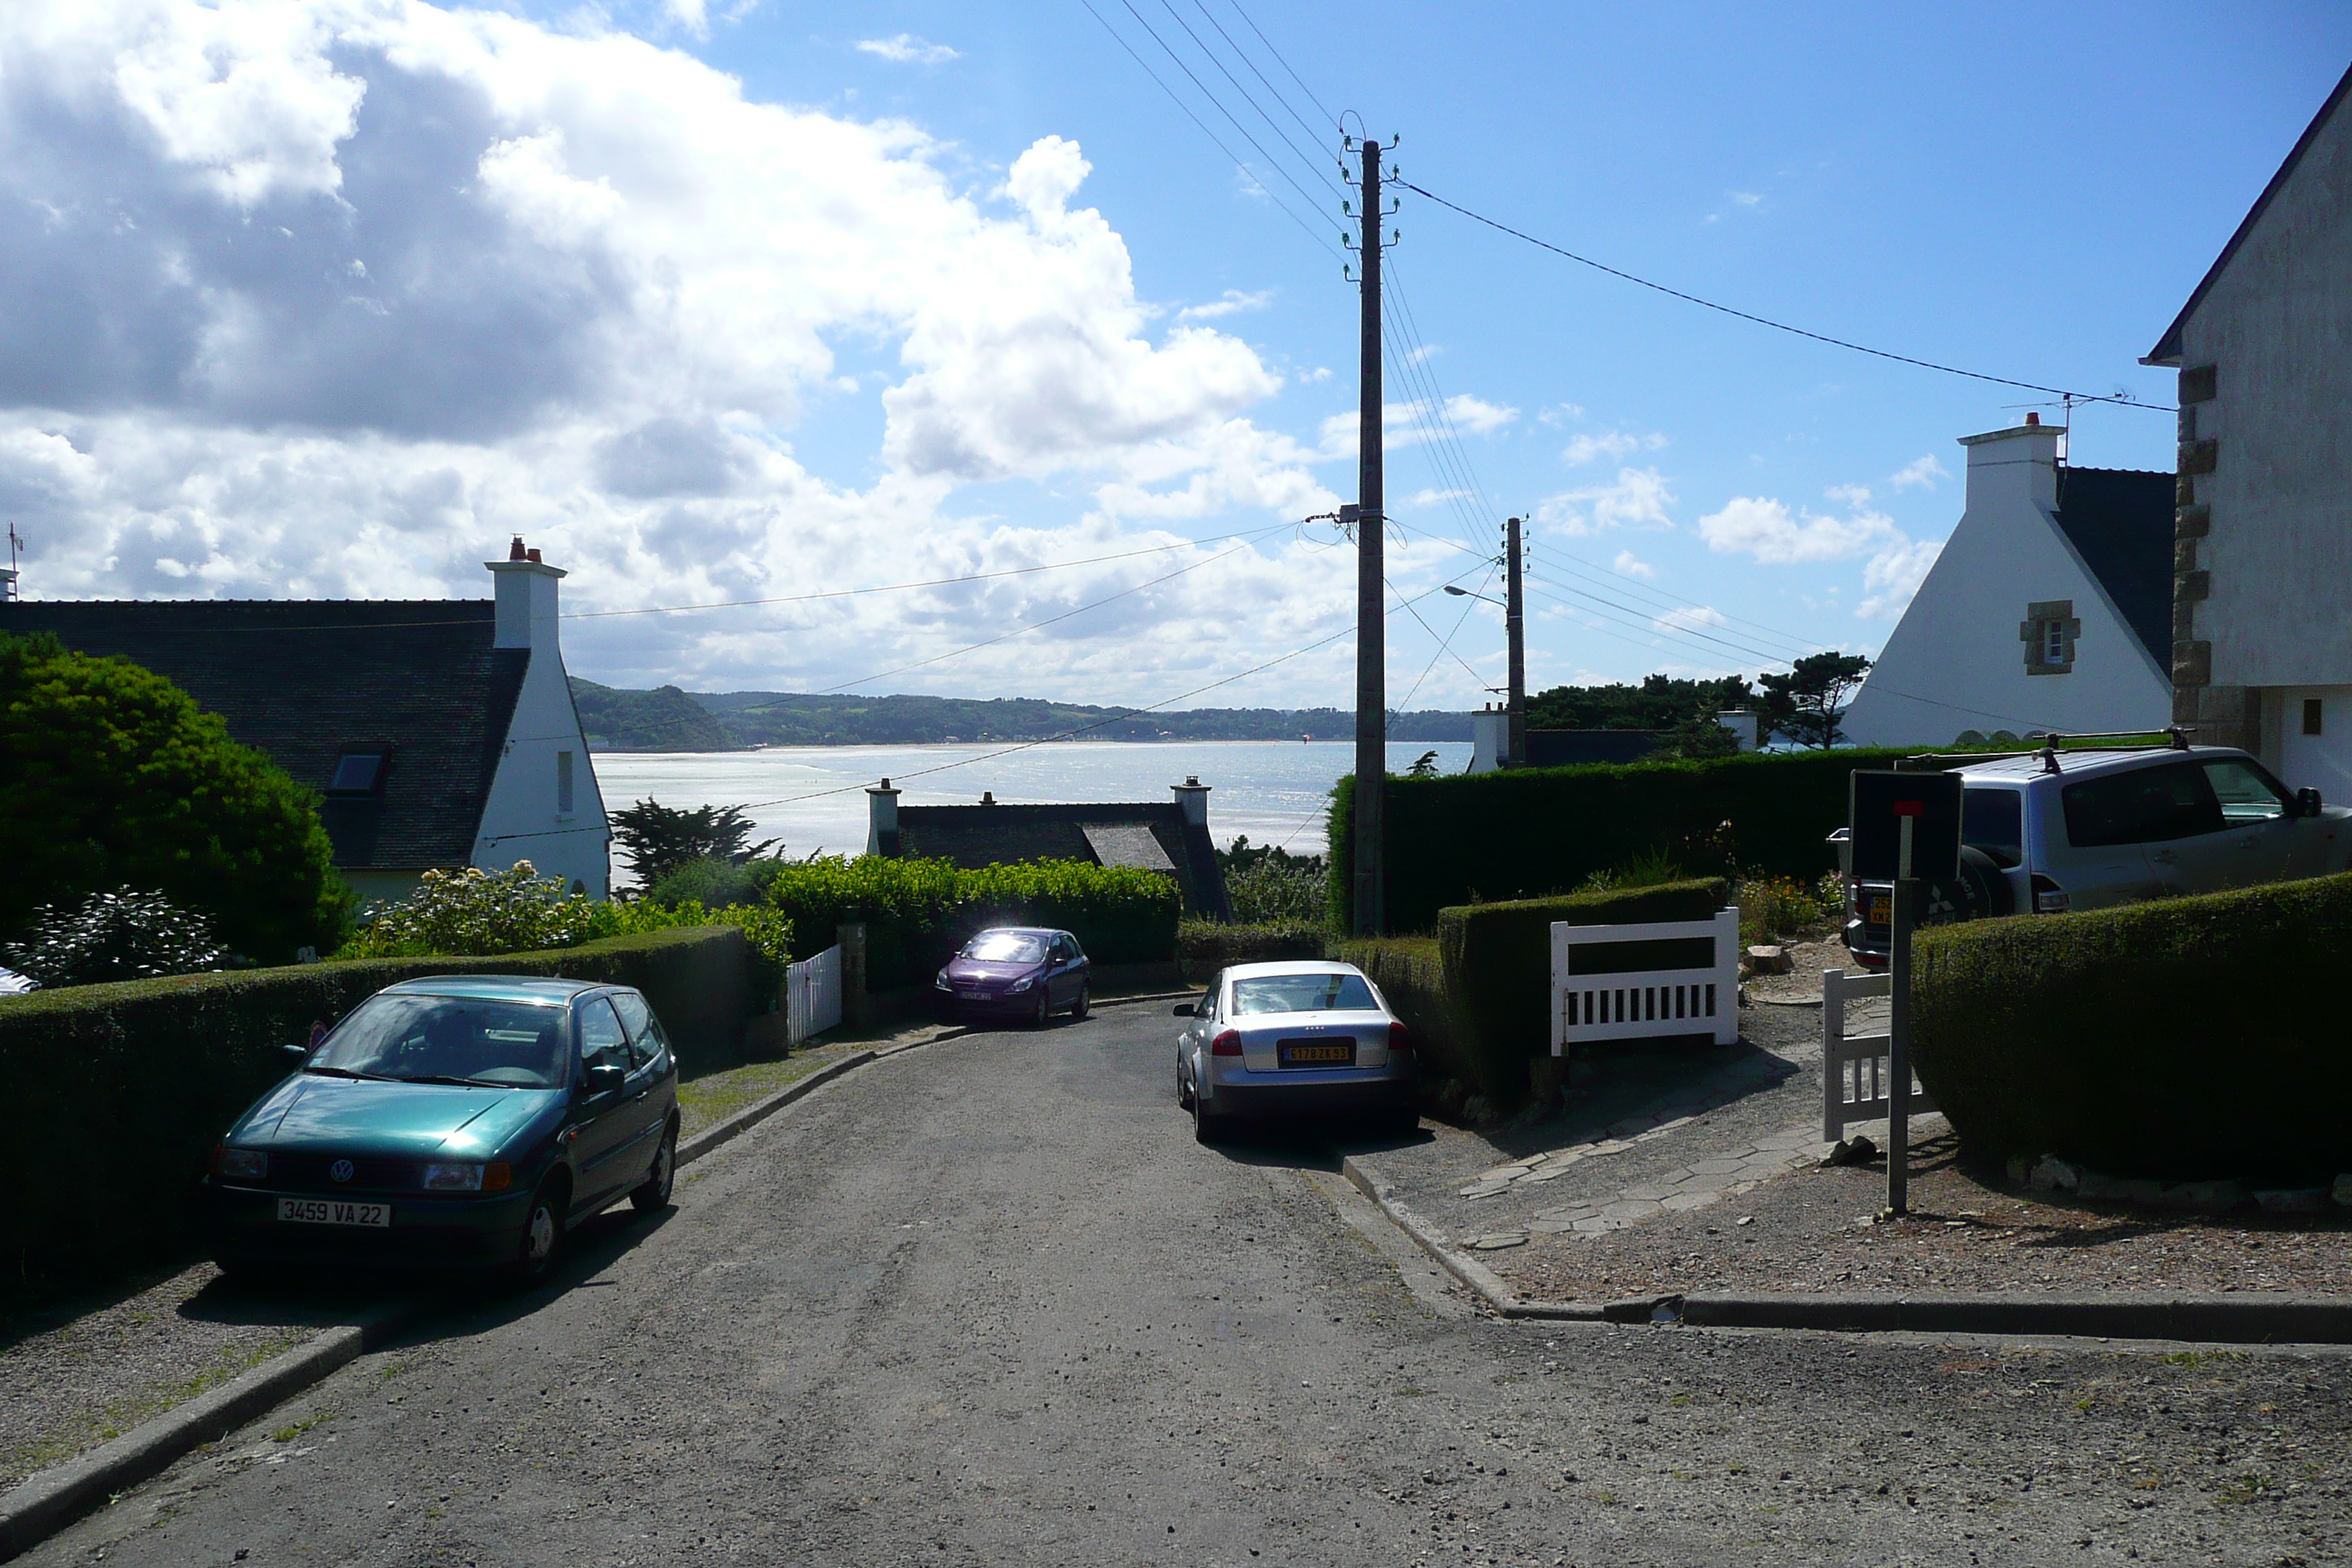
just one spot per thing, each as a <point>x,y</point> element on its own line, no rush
<point>333,1211</point>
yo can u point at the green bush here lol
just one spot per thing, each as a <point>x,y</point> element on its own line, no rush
<point>1537,832</point>
<point>917,912</point>
<point>123,935</point>
<point>1498,963</point>
<point>480,912</point>
<point>1204,947</point>
<point>114,777</point>
<point>2186,1038</point>
<point>117,1091</point>
<point>715,883</point>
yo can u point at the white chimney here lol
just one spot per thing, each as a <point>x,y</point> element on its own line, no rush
<point>2015,468</point>
<point>526,599</point>
<point>1194,796</point>
<point>882,820</point>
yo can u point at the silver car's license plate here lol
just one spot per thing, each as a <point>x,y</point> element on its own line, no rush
<point>333,1211</point>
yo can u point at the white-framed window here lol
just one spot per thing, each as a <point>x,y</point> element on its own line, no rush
<point>2049,632</point>
<point>563,784</point>
<point>2054,642</point>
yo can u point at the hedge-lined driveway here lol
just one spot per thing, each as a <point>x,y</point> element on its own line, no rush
<point>988,1302</point>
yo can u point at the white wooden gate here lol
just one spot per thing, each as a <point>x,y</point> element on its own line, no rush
<point>1594,998</point>
<point>813,995</point>
<point>1853,1067</point>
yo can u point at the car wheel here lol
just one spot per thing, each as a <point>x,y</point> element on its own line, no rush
<point>1206,1128</point>
<point>1183,1087</point>
<point>1080,1005</point>
<point>1042,1011</point>
<point>653,1192</point>
<point>542,1236</point>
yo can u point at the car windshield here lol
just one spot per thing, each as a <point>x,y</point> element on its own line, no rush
<point>1004,947</point>
<point>1303,994</point>
<point>445,1039</point>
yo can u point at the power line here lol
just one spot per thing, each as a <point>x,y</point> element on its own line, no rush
<point>1272,124</point>
<point>1272,92</point>
<point>1239,163</point>
<point>1445,647</point>
<point>1261,38</point>
<point>2127,401</point>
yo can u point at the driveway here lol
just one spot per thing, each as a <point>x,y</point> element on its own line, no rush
<point>988,1302</point>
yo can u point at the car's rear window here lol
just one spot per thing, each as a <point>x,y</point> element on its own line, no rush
<point>1303,994</point>
<point>517,1044</point>
<point>1004,947</point>
<point>2144,805</point>
<point>1994,820</point>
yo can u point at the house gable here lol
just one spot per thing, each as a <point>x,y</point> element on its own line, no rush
<point>1153,835</point>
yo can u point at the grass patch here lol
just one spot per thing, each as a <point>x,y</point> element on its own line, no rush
<point>714,1097</point>
<point>93,1428</point>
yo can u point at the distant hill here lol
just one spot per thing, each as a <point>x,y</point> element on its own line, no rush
<point>669,720</point>
<point>665,719</point>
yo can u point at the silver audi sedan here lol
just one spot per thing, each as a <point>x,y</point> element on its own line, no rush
<point>1292,1039</point>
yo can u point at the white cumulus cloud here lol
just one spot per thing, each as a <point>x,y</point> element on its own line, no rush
<point>1924,470</point>
<point>1638,500</point>
<point>1234,303</point>
<point>1767,530</point>
<point>1632,565</point>
<point>1615,444</point>
<point>907,49</point>
<point>1893,576</point>
<point>1691,617</point>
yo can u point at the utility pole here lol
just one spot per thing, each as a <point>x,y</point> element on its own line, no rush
<point>1514,629</point>
<point>1372,649</point>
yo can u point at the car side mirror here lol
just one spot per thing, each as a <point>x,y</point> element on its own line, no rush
<point>1182,1009</point>
<point>2306,800</point>
<point>605,1077</point>
<point>298,1053</point>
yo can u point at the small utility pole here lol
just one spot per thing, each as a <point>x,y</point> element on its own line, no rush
<point>1514,629</point>
<point>1899,1038</point>
<point>1371,649</point>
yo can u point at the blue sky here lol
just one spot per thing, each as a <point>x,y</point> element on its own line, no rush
<point>856,327</point>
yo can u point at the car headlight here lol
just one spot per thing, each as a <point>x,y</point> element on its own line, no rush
<point>243,1164</point>
<point>1022,983</point>
<point>467,1177</point>
<point>939,982</point>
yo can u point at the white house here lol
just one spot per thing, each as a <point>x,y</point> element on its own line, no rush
<point>2047,609</point>
<point>438,733</point>
<point>2261,599</point>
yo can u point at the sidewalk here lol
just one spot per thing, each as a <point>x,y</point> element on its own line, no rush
<point>1694,1168</point>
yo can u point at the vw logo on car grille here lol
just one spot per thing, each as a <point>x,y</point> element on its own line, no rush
<point>341,1170</point>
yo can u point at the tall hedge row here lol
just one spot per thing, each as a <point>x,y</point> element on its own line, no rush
<point>919,912</point>
<point>117,1092</point>
<point>2186,1038</point>
<point>1539,832</point>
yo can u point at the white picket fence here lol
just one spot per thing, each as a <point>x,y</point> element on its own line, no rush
<point>1645,1003</point>
<point>1853,1067</point>
<point>813,995</point>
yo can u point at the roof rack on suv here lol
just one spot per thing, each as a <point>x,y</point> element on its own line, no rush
<point>2176,738</point>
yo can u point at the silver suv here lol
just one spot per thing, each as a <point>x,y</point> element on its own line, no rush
<point>2054,830</point>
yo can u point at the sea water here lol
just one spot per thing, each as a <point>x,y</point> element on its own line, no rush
<point>814,798</point>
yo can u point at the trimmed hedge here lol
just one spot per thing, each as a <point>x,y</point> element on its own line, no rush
<point>919,912</point>
<point>2187,1038</point>
<point>1497,960</point>
<point>1204,947</point>
<point>1411,975</point>
<point>117,1092</point>
<point>1539,832</point>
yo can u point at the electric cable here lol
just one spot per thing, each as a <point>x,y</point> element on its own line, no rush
<point>1272,124</point>
<point>1272,92</point>
<point>2127,401</point>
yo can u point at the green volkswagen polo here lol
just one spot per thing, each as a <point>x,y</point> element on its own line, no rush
<point>451,1121</point>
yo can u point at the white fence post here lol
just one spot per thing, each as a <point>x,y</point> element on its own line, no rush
<point>813,995</point>
<point>1853,1067</point>
<point>1636,1003</point>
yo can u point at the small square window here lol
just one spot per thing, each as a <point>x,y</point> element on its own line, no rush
<point>357,772</point>
<point>2313,714</point>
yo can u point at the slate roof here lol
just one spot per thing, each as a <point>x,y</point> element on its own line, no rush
<point>1103,835</point>
<point>2167,347</point>
<point>307,680</point>
<point>2120,521</point>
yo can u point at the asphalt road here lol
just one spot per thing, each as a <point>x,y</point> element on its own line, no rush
<point>988,1302</point>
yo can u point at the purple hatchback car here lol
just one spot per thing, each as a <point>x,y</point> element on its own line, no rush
<point>1026,972</point>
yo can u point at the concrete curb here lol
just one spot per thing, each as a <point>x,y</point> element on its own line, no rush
<point>48,1501</point>
<point>2241,1318</point>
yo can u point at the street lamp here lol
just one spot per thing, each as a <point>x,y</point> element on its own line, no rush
<point>1466,593</point>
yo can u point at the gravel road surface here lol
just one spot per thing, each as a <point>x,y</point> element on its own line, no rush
<point>988,1302</point>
